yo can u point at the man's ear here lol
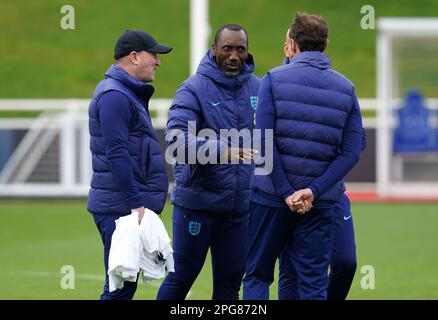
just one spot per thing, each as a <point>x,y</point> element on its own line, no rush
<point>294,47</point>
<point>326,45</point>
<point>214,50</point>
<point>133,57</point>
<point>286,49</point>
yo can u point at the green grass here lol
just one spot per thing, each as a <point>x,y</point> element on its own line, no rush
<point>19,114</point>
<point>400,241</point>
<point>38,237</point>
<point>41,60</point>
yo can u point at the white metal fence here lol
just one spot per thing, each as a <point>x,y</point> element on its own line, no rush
<point>53,157</point>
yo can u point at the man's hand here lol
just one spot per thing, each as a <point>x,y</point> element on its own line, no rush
<point>140,213</point>
<point>307,206</point>
<point>235,153</point>
<point>303,199</point>
<point>294,206</point>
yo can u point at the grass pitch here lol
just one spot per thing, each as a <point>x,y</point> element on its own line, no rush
<point>39,237</point>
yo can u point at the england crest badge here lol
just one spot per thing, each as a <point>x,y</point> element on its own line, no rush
<point>194,228</point>
<point>253,101</point>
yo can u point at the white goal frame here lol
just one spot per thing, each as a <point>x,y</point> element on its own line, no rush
<point>390,29</point>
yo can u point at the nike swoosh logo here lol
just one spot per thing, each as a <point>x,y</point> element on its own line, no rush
<point>346,218</point>
<point>215,104</point>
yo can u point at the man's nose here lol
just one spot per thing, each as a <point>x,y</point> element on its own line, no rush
<point>157,61</point>
<point>234,55</point>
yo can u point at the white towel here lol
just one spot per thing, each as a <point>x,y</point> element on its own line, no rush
<point>133,247</point>
<point>157,253</point>
<point>124,256</point>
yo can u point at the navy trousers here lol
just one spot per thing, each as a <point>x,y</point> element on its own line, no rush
<point>343,261</point>
<point>106,225</point>
<point>195,232</point>
<point>309,239</point>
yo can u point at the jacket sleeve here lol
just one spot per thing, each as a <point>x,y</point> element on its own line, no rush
<point>115,114</point>
<point>353,142</point>
<point>183,125</point>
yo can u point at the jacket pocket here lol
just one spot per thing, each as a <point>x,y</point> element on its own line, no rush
<point>214,177</point>
<point>193,168</point>
<point>186,175</point>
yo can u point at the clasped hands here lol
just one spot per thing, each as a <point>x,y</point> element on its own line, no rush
<point>236,153</point>
<point>300,201</point>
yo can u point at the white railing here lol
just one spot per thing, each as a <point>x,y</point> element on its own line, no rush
<point>69,119</point>
<point>157,107</point>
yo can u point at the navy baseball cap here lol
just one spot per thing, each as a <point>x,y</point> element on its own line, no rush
<point>137,40</point>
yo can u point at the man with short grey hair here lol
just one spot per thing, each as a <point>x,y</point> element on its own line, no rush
<point>128,167</point>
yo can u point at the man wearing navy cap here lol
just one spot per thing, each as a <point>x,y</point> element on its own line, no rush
<point>128,166</point>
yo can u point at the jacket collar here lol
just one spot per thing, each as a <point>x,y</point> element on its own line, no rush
<point>140,88</point>
<point>209,68</point>
<point>314,58</point>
